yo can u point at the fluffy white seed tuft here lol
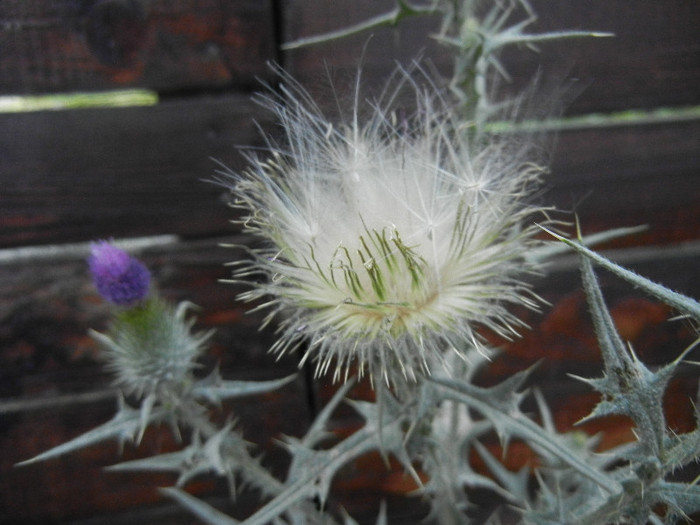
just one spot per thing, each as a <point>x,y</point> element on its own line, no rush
<point>389,241</point>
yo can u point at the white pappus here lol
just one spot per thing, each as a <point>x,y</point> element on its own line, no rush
<point>389,241</point>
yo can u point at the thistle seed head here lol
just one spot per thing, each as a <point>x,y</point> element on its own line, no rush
<point>388,241</point>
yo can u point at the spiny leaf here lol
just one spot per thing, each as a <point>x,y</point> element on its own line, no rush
<point>126,425</point>
<point>682,450</point>
<point>214,389</point>
<point>312,470</point>
<point>515,423</point>
<point>505,396</point>
<point>314,476</point>
<point>318,427</point>
<point>383,418</point>
<point>202,510</point>
<point>184,462</point>
<point>508,38</point>
<point>683,499</point>
<point>224,453</point>
<point>680,302</point>
<point>629,386</point>
<point>617,360</point>
<point>547,251</point>
<point>515,483</point>
<point>388,19</point>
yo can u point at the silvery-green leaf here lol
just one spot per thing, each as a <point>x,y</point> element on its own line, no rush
<point>170,462</point>
<point>314,469</point>
<point>199,508</point>
<point>680,302</point>
<point>227,389</point>
<point>682,450</point>
<point>391,18</point>
<point>510,421</point>
<point>629,387</point>
<point>126,425</point>
<point>546,251</point>
<point>683,499</point>
<point>515,483</point>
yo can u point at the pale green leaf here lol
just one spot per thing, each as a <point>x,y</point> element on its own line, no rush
<point>504,416</point>
<point>680,302</point>
<point>199,508</point>
<point>127,424</point>
<point>227,389</point>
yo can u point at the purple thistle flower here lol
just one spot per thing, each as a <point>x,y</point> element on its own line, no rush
<point>118,277</point>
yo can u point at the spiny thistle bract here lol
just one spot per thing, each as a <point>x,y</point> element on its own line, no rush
<point>389,240</point>
<point>152,345</point>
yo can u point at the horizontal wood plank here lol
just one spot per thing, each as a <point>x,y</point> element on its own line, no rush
<point>84,174</point>
<point>628,176</point>
<point>652,61</point>
<point>76,175</point>
<point>162,45</point>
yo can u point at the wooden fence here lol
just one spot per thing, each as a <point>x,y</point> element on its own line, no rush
<point>71,176</point>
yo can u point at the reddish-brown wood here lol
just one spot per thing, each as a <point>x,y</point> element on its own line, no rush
<point>163,45</point>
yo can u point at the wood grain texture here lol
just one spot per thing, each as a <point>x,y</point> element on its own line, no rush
<point>78,175</point>
<point>653,60</point>
<point>85,45</point>
<point>628,176</point>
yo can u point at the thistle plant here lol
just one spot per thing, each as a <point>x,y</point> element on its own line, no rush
<point>390,240</point>
<point>152,350</point>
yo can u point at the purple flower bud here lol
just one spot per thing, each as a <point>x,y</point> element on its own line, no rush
<point>118,277</point>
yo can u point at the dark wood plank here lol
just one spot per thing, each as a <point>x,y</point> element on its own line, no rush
<point>376,52</point>
<point>630,175</point>
<point>52,46</point>
<point>653,60</point>
<point>77,175</point>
